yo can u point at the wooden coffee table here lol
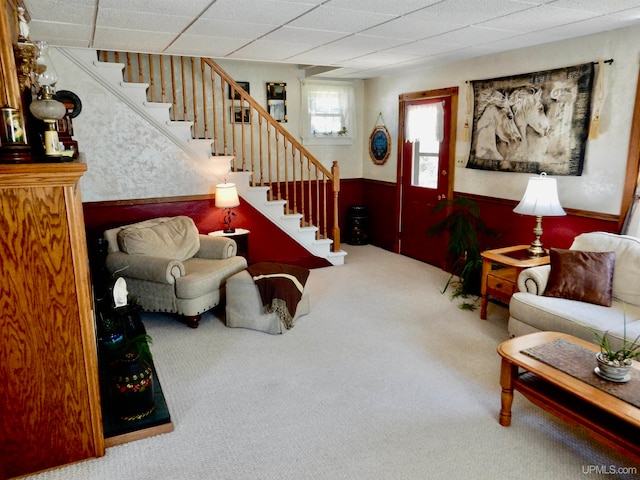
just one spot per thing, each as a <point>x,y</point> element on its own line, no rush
<point>607,418</point>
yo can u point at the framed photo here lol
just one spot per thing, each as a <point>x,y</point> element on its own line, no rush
<point>239,115</point>
<point>234,94</point>
<point>277,101</point>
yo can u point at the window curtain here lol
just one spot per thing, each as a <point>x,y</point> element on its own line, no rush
<point>423,122</point>
<point>313,94</point>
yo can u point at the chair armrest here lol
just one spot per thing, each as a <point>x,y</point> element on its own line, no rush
<point>216,247</point>
<point>145,267</point>
<point>534,279</point>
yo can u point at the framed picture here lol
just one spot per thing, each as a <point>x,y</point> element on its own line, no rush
<point>234,94</point>
<point>277,101</point>
<point>380,145</point>
<point>239,115</point>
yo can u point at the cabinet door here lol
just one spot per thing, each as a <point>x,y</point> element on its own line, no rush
<point>49,406</point>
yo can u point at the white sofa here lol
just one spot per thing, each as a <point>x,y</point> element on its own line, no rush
<point>531,311</point>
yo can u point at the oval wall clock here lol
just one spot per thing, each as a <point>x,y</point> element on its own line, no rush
<point>379,145</point>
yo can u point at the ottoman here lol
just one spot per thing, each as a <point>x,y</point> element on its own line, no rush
<point>244,307</point>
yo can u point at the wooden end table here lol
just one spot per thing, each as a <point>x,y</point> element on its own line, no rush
<point>502,282</point>
<point>607,418</point>
<point>240,236</point>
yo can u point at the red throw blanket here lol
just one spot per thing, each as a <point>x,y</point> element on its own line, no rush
<point>280,287</point>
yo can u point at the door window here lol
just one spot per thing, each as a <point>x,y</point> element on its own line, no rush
<point>424,127</point>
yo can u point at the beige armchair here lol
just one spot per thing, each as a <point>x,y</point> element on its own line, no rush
<point>170,267</point>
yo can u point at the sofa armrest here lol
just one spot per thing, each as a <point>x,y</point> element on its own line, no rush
<point>534,279</point>
<point>216,247</point>
<point>145,267</point>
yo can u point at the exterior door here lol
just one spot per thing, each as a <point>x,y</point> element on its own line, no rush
<point>426,168</point>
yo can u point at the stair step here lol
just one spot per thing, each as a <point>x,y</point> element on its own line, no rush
<point>158,110</point>
<point>110,71</point>
<point>182,129</point>
<point>135,91</point>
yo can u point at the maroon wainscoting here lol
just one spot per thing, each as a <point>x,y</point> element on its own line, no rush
<point>380,199</point>
<point>266,241</point>
<point>516,229</point>
<point>497,214</point>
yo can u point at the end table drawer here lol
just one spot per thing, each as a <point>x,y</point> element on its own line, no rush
<point>501,285</point>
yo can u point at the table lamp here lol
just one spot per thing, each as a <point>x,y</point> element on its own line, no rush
<point>540,200</point>
<point>46,108</point>
<point>227,199</point>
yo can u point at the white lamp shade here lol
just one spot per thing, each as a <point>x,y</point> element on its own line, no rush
<point>541,198</point>
<point>227,195</point>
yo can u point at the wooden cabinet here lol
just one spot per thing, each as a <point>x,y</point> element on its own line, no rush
<point>50,399</point>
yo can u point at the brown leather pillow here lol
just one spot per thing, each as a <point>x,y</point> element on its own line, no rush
<point>583,276</point>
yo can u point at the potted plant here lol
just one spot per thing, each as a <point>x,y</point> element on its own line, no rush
<point>614,364</point>
<point>465,229</point>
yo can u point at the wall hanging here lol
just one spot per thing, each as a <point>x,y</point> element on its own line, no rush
<point>277,101</point>
<point>379,142</point>
<point>532,122</point>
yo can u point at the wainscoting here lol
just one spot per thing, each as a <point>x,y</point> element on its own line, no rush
<point>269,243</point>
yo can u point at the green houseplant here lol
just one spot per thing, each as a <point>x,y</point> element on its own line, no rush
<point>614,364</point>
<point>466,232</point>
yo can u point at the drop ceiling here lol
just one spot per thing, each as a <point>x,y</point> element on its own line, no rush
<point>344,38</point>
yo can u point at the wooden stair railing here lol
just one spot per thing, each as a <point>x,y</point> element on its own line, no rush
<point>200,91</point>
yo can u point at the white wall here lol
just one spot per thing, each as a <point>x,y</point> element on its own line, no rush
<point>599,189</point>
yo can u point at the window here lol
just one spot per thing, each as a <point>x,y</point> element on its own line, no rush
<point>328,114</point>
<point>424,127</point>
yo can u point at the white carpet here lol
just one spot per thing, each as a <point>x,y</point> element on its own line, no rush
<point>385,379</point>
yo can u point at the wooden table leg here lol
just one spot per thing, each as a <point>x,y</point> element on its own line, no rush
<point>486,269</point>
<point>508,373</point>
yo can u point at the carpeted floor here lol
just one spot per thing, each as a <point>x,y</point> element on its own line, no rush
<point>385,379</point>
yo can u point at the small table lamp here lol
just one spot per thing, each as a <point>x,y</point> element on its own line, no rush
<point>540,200</point>
<point>227,199</point>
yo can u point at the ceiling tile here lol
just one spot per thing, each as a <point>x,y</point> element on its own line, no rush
<point>410,28</point>
<point>597,6</point>
<point>62,13</point>
<point>163,7</point>
<point>538,18</point>
<point>79,35</point>
<point>149,22</point>
<point>382,6</point>
<point>306,36</point>
<point>119,39</point>
<point>340,20</point>
<point>218,47</point>
<point>268,51</point>
<point>270,12</point>
<point>469,12</point>
<point>470,36</point>
<point>225,28</point>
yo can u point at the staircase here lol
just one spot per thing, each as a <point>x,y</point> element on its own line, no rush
<point>274,173</point>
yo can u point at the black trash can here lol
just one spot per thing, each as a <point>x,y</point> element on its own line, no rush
<point>357,225</point>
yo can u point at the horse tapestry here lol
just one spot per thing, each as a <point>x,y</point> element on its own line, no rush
<point>532,123</point>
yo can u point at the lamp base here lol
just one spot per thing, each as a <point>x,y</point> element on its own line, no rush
<point>229,230</point>
<point>536,251</point>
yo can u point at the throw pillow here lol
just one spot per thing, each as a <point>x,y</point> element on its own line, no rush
<point>174,238</point>
<point>582,276</point>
